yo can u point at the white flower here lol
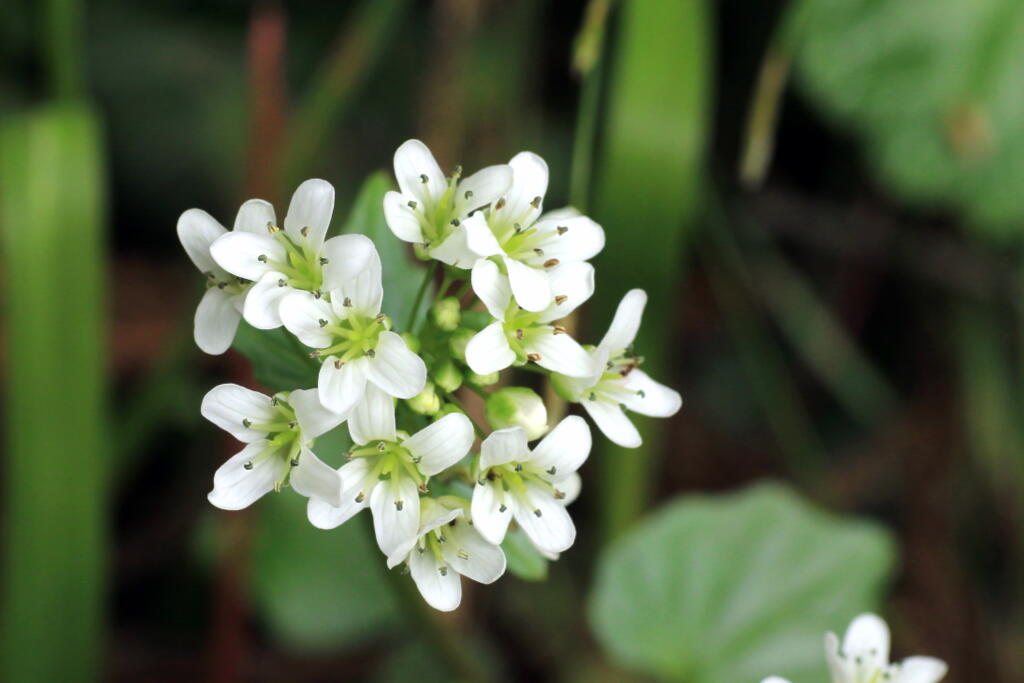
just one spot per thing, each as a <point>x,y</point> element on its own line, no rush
<point>528,247</point>
<point>220,310</point>
<point>445,548</point>
<point>619,382</point>
<point>530,486</point>
<point>430,208</point>
<point>389,470</point>
<point>354,340</point>
<point>279,432</point>
<point>864,657</point>
<point>518,336</point>
<point>295,258</point>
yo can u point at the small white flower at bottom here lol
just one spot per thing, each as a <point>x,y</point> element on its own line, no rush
<point>279,432</point>
<point>447,547</point>
<point>531,487</point>
<point>619,383</point>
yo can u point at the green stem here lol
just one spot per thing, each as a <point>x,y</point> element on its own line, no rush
<point>436,631</point>
<point>418,301</point>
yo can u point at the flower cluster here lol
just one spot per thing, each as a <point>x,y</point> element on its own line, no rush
<point>864,657</point>
<point>441,504</point>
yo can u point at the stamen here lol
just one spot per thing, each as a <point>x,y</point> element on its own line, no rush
<point>559,495</point>
<point>371,353</point>
<point>469,194</point>
<point>295,462</point>
<point>282,283</point>
<point>304,231</point>
<point>423,178</point>
<point>322,322</point>
<point>463,555</point>
<point>562,229</point>
<point>443,570</point>
<point>538,251</point>
<point>381,446</point>
<point>519,467</point>
<point>519,334</point>
<point>500,204</point>
<point>412,204</point>
<point>246,422</point>
<point>338,363</point>
<point>398,505</point>
<point>593,396</point>
<point>502,507</point>
<point>262,258</point>
<point>641,393</point>
<point>518,228</point>
<point>536,202</point>
<point>455,222</point>
<point>248,465</point>
<point>561,299</point>
<point>560,330</point>
<point>314,354</point>
<point>533,356</point>
<point>361,497</point>
<point>552,470</point>
<point>347,303</point>
<point>551,263</point>
<point>323,261</point>
<point>538,512</point>
<point>221,285</point>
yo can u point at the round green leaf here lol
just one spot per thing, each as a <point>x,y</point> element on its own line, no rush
<point>735,587</point>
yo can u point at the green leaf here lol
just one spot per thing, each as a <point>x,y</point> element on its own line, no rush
<point>523,559</point>
<point>735,587</point>
<point>279,361</point>
<point>402,274</point>
<point>935,94</point>
<point>318,589</point>
<point>57,450</point>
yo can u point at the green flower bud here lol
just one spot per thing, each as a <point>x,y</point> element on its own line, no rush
<point>448,377</point>
<point>448,409</point>
<point>518,407</point>
<point>421,252</point>
<point>412,341</point>
<point>458,341</point>
<point>446,313</point>
<point>426,402</point>
<point>482,380</point>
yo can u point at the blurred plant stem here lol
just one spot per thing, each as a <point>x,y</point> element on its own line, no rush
<point>333,88</point>
<point>63,48</point>
<point>763,116</point>
<point>436,630</point>
<point>647,188</point>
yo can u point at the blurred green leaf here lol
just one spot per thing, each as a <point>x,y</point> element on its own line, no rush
<point>934,90</point>
<point>279,361</point>
<point>57,454</point>
<point>735,587</point>
<point>523,559</point>
<point>402,274</point>
<point>318,589</point>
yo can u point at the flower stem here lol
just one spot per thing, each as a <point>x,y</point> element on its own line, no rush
<point>437,632</point>
<point>414,312</point>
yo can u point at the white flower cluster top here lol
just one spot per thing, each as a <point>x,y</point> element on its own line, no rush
<point>440,504</point>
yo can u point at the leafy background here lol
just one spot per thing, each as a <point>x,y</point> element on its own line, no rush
<point>823,198</point>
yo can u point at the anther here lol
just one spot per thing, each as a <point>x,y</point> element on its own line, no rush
<point>455,222</point>
<point>562,229</point>
<point>519,467</point>
<point>381,446</point>
<point>361,497</point>
<point>282,283</point>
<point>398,505</point>
<point>274,400</point>
<point>423,178</point>
<point>304,231</point>
<point>502,507</point>
<point>317,294</point>
<point>538,512</point>
<point>551,263</point>
<point>246,422</point>
<point>538,251</point>
<point>262,258</point>
<point>469,194</point>
<point>519,334</point>
<point>443,570</point>
<point>561,299</point>
<point>463,555</point>
<point>380,318</point>
<point>371,353</point>
<point>518,228</point>
<point>559,495</point>
<point>500,204</point>
<point>322,322</point>
<point>536,202</point>
<point>209,275</point>
<point>442,539</point>
<point>533,356</point>
<point>248,465</point>
<point>314,354</point>
<point>593,396</point>
<point>338,363</point>
<point>457,172</point>
<point>347,303</point>
<point>552,470</point>
<point>641,393</point>
<point>323,261</point>
<point>293,424</point>
<point>295,462</point>
<point>412,204</point>
<point>221,285</point>
<point>558,329</point>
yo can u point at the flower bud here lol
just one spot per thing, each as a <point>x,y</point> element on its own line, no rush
<point>412,341</point>
<point>448,409</point>
<point>518,407</point>
<point>445,313</point>
<point>457,344</point>
<point>426,402</point>
<point>482,380</point>
<point>448,377</point>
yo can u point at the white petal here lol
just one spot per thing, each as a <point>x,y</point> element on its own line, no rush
<point>570,488</point>
<point>920,670</point>
<point>347,256</point>
<point>455,251</point>
<point>263,302</point>
<point>313,418</point>
<point>254,216</point>
<point>867,637</point>
<point>529,285</point>
<point>413,162</point>
<point>311,207</point>
<point>441,444</point>
<point>479,237</point>
<point>216,322</point>
<point>490,515</point>
<point>552,529</point>
<point>441,591</point>
<point>239,254</point>
<point>395,368</point>
<point>394,526</point>
<point>504,446</point>
<point>227,405</point>
<point>614,423</point>
<point>774,679</point>
<point>314,478</point>
<point>340,388</point>
<point>559,353</point>
<point>582,239</point>
<point>840,668</point>
<point>529,181</point>
<point>353,476</point>
<point>626,322</point>
<point>236,488</point>
<point>197,230</point>
<point>575,282</point>
<point>491,287</point>
<point>565,448</point>
<point>373,418</point>
<point>484,187</point>
<point>488,351</point>
<point>364,292</point>
<point>402,219</point>
<point>301,313</point>
<point>650,397</point>
<point>481,561</point>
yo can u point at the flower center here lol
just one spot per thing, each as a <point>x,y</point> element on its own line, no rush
<point>436,217</point>
<point>354,336</point>
<point>389,459</point>
<point>282,435</point>
<point>303,265</point>
<point>229,284</point>
<point>512,479</point>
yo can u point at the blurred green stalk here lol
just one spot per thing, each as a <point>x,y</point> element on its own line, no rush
<point>57,448</point>
<point>646,192</point>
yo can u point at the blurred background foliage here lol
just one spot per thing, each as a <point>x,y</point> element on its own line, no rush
<point>823,198</point>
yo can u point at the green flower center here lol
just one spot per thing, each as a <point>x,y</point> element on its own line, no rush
<point>354,336</point>
<point>303,265</point>
<point>282,435</point>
